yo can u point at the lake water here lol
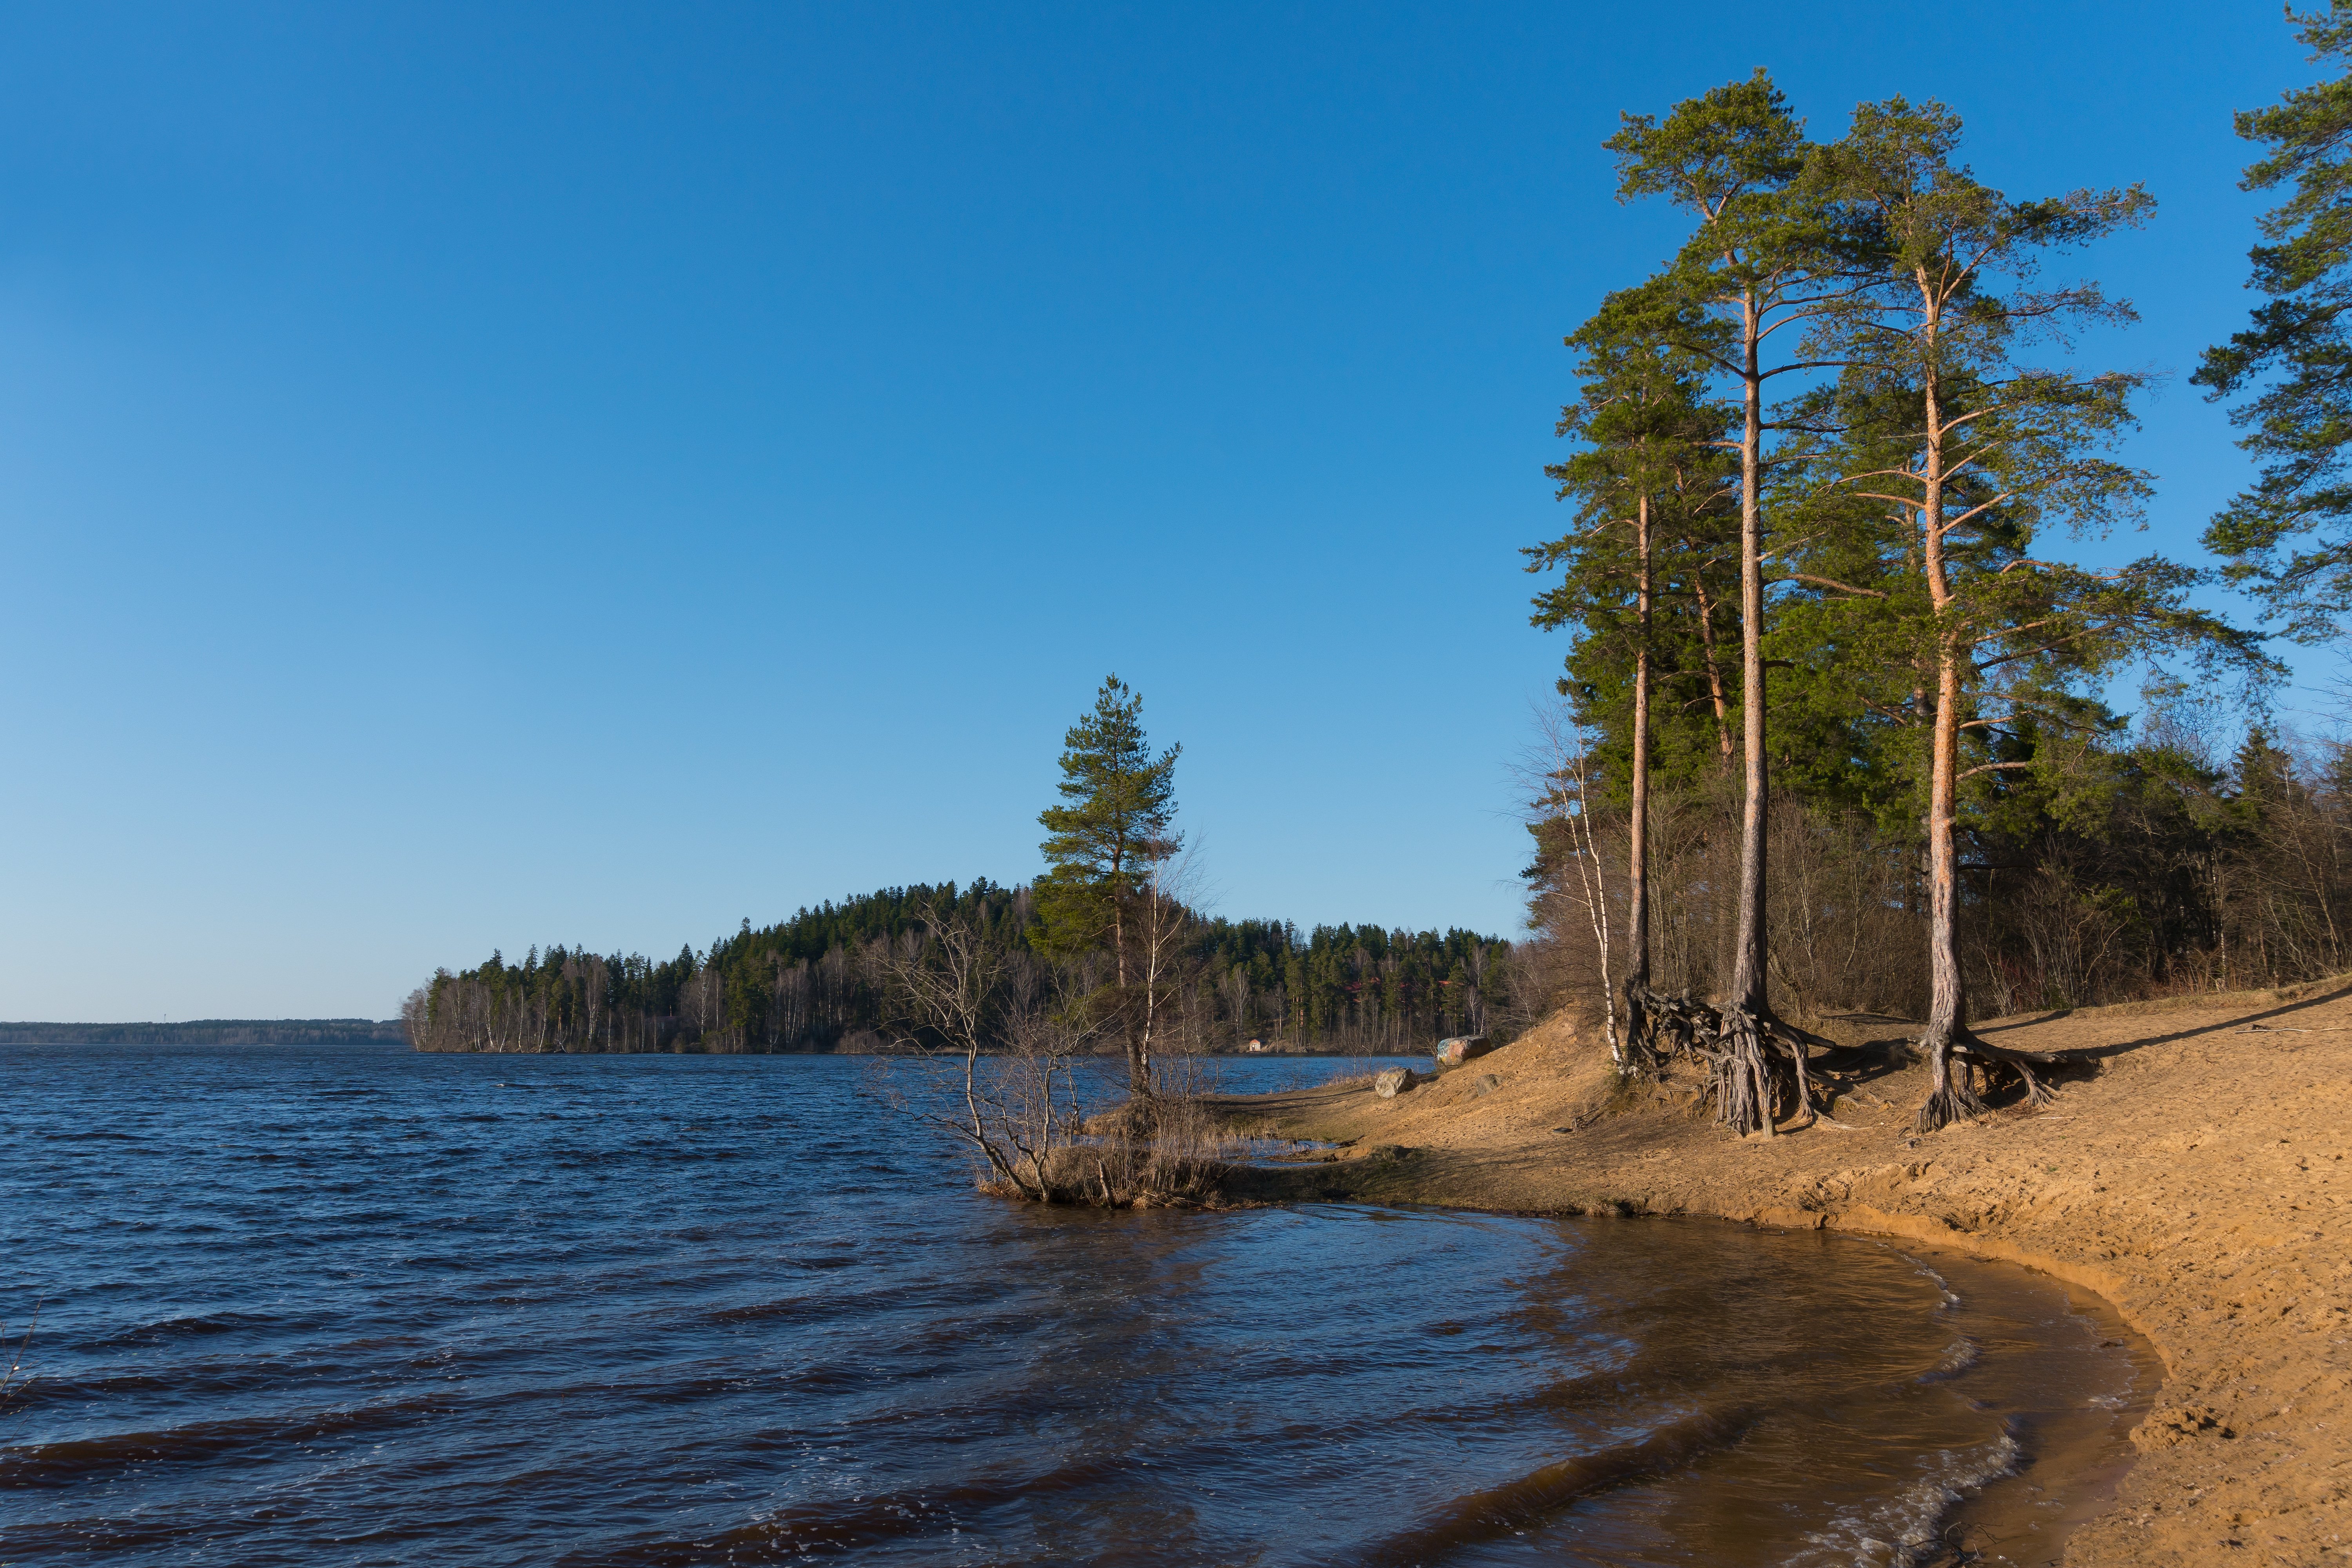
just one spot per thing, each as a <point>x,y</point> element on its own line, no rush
<point>361,1307</point>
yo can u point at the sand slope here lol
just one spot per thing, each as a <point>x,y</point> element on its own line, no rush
<point>2194,1173</point>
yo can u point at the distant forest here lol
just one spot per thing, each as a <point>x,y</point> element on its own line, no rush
<point>211,1032</point>
<point>817,983</point>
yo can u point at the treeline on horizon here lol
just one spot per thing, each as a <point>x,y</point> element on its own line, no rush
<point>821,981</point>
<point>210,1032</point>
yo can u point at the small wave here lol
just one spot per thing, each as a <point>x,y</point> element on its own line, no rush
<point>202,1380</point>
<point>251,1440</point>
<point>1901,1531</point>
<point>791,1309</point>
<point>1964,1353</point>
<point>849,1524</point>
<point>1929,1274</point>
<point>192,1325</point>
<point>1516,1505</point>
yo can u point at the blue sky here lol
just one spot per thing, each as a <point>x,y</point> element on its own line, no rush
<point>478,475</point>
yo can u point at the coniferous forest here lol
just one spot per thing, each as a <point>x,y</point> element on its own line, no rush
<point>820,982</point>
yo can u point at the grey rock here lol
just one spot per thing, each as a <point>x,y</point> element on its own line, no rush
<point>1394,1081</point>
<point>1452,1053</point>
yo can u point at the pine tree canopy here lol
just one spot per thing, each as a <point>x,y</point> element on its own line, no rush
<point>1115,824</point>
<point>2290,536</point>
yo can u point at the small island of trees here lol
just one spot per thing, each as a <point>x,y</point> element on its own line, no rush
<point>829,979</point>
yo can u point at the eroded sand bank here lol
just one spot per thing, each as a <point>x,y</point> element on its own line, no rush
<point>2192,1173</point>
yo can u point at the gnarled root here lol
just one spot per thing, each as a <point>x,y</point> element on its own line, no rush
<point>1759,1069</point>
<point>2038,1091</point>
<point>1756,1062</point>
<point>1952,1096</point>
<point>1743,1082</point>
<point>1661,1025</point>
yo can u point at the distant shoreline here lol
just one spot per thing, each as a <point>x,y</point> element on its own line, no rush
<point>1337,1053</point>
<point>389,1031</point>
<point>212,1032</point>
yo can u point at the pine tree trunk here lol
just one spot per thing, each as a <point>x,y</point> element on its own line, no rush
<point>1950,1096</point>
<point>1746,993</point>
<point>1638,1028</point>
<point>1743,1087</point>
<point>1748,1085</point>
<point>1947,1006</point>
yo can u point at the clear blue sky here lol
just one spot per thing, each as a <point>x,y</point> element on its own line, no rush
<point>478,475</point>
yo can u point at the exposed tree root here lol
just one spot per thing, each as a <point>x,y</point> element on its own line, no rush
<point>1798,1043</point>
<point>1661,1025</point>
<point>1756,1062</point>
<point>2038,1092</point>
<point>1742,1079</point>
<point>1954,1057</point>
<point>1759,1071</point>
<point>1950,1096</point>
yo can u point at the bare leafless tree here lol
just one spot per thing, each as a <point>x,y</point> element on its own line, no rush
<point>1558,776</point>
<point>998,1054</point>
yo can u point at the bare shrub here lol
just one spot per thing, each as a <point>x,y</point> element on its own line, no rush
<point>1841,906</point>
<point>994,1057</point>
<point>1168,1147</point>
<point>997,1039</point>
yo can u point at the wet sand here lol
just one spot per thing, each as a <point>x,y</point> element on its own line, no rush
<point>2192,1176</point>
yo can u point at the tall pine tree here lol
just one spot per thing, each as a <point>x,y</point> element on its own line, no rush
<point>1115,828</point>
<point>1767,257</point>
<point>1964,455</point>
<point>1651,512</point>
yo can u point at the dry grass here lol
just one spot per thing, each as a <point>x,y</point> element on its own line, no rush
<point>1169,1149</point>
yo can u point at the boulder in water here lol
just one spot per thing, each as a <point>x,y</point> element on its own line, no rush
<point>1394,1081</point>
<point>1452,1053</point>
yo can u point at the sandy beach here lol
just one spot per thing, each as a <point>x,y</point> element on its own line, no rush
<point>2191,1173</point>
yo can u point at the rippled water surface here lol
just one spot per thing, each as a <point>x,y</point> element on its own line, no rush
<point>342,1306</point>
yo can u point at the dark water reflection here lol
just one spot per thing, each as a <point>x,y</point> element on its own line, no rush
<point>363,1307</point>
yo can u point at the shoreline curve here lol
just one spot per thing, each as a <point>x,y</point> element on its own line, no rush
<point>2191,1176</point>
